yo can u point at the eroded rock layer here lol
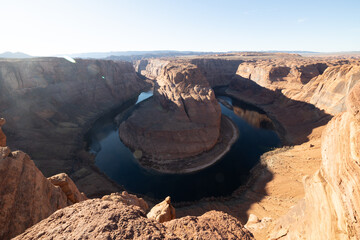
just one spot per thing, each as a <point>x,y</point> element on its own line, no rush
<point>332,199</point>
<point>329,90</point>
<point>182,119</point>
<point>217,71</point>
<point>26,196</point>
<point>322,82</point>
<point>99,219</point>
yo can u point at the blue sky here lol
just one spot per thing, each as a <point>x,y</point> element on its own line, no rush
<point>45,27</point>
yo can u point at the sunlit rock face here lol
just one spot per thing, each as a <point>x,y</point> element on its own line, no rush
<point>162,212</point>
<point>182,120</point>
<point>217,71</point>
<point>266,72</point>
<point>332,200</point>
<point>26,196</point>
<point>324,83</point>
<point>329,90</point>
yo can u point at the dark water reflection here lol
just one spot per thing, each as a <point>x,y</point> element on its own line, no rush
<point>220,179</point>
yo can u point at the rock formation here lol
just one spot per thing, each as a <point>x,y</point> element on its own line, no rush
<point>2,135</point>
<point>127,199</point>
<point>182,120</point>
<point>332,199</point>
<point>150,68</point>
<point>68,187</point>
<point>294,120</point>
<point>99,219</point>
<point>162,212</point>
<point>266,72</point>
<point>329,90</point>
<point>218,72</point>
<point>211,225</point>
<point>324,83</point>
<point>50,102</point>
<point>26,196</point>
<point>277,185</point>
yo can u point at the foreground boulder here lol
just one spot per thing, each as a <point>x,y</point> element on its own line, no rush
<point>127,199</point>
<point>26,196</point>
<point>68,187</point>
<point>102,219</point>
<point>162,212</point>
<point>211,225</point>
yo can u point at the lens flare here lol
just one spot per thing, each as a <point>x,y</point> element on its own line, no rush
<point>70,59</point>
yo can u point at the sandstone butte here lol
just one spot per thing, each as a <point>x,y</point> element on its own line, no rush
<point>299,94</point>
<point>183,120</point>
<point>183,112</point>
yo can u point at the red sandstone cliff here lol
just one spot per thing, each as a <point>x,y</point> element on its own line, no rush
<point>217,71</point>
<point>332,199</point>
<point>26,196</point>
<point>331,206</point>
<point>329,90</point>
<point>324,83</point>
<point>100,219</point>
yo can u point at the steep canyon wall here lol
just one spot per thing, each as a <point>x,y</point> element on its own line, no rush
<point>49,103</point>
<point>332,199</point>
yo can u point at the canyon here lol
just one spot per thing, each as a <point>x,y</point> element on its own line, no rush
<point>306,189</point>
<point>49,103</point>
<point>183,112</point>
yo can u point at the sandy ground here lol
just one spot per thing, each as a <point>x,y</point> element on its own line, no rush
<point>277,186</point>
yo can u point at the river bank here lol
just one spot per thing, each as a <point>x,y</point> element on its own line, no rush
<point>228,136</point>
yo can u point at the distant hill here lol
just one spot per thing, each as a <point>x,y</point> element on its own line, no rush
<point>136,55</point>
<point>14,55</point>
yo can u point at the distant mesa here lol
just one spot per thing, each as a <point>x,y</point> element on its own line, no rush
<point>136,55</point>
<point>14,55</point>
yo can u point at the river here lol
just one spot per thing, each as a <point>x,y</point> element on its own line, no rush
<point>117,161</point>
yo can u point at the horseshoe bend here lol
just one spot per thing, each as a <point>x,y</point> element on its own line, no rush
<point>180,120</point>
<point>199,112</point>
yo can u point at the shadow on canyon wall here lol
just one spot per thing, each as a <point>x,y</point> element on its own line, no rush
<point>294,121</point>
<point>47,115</point>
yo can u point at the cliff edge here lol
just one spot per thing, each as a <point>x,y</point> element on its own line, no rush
<point>331,206</point>
<point>26,196</point>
